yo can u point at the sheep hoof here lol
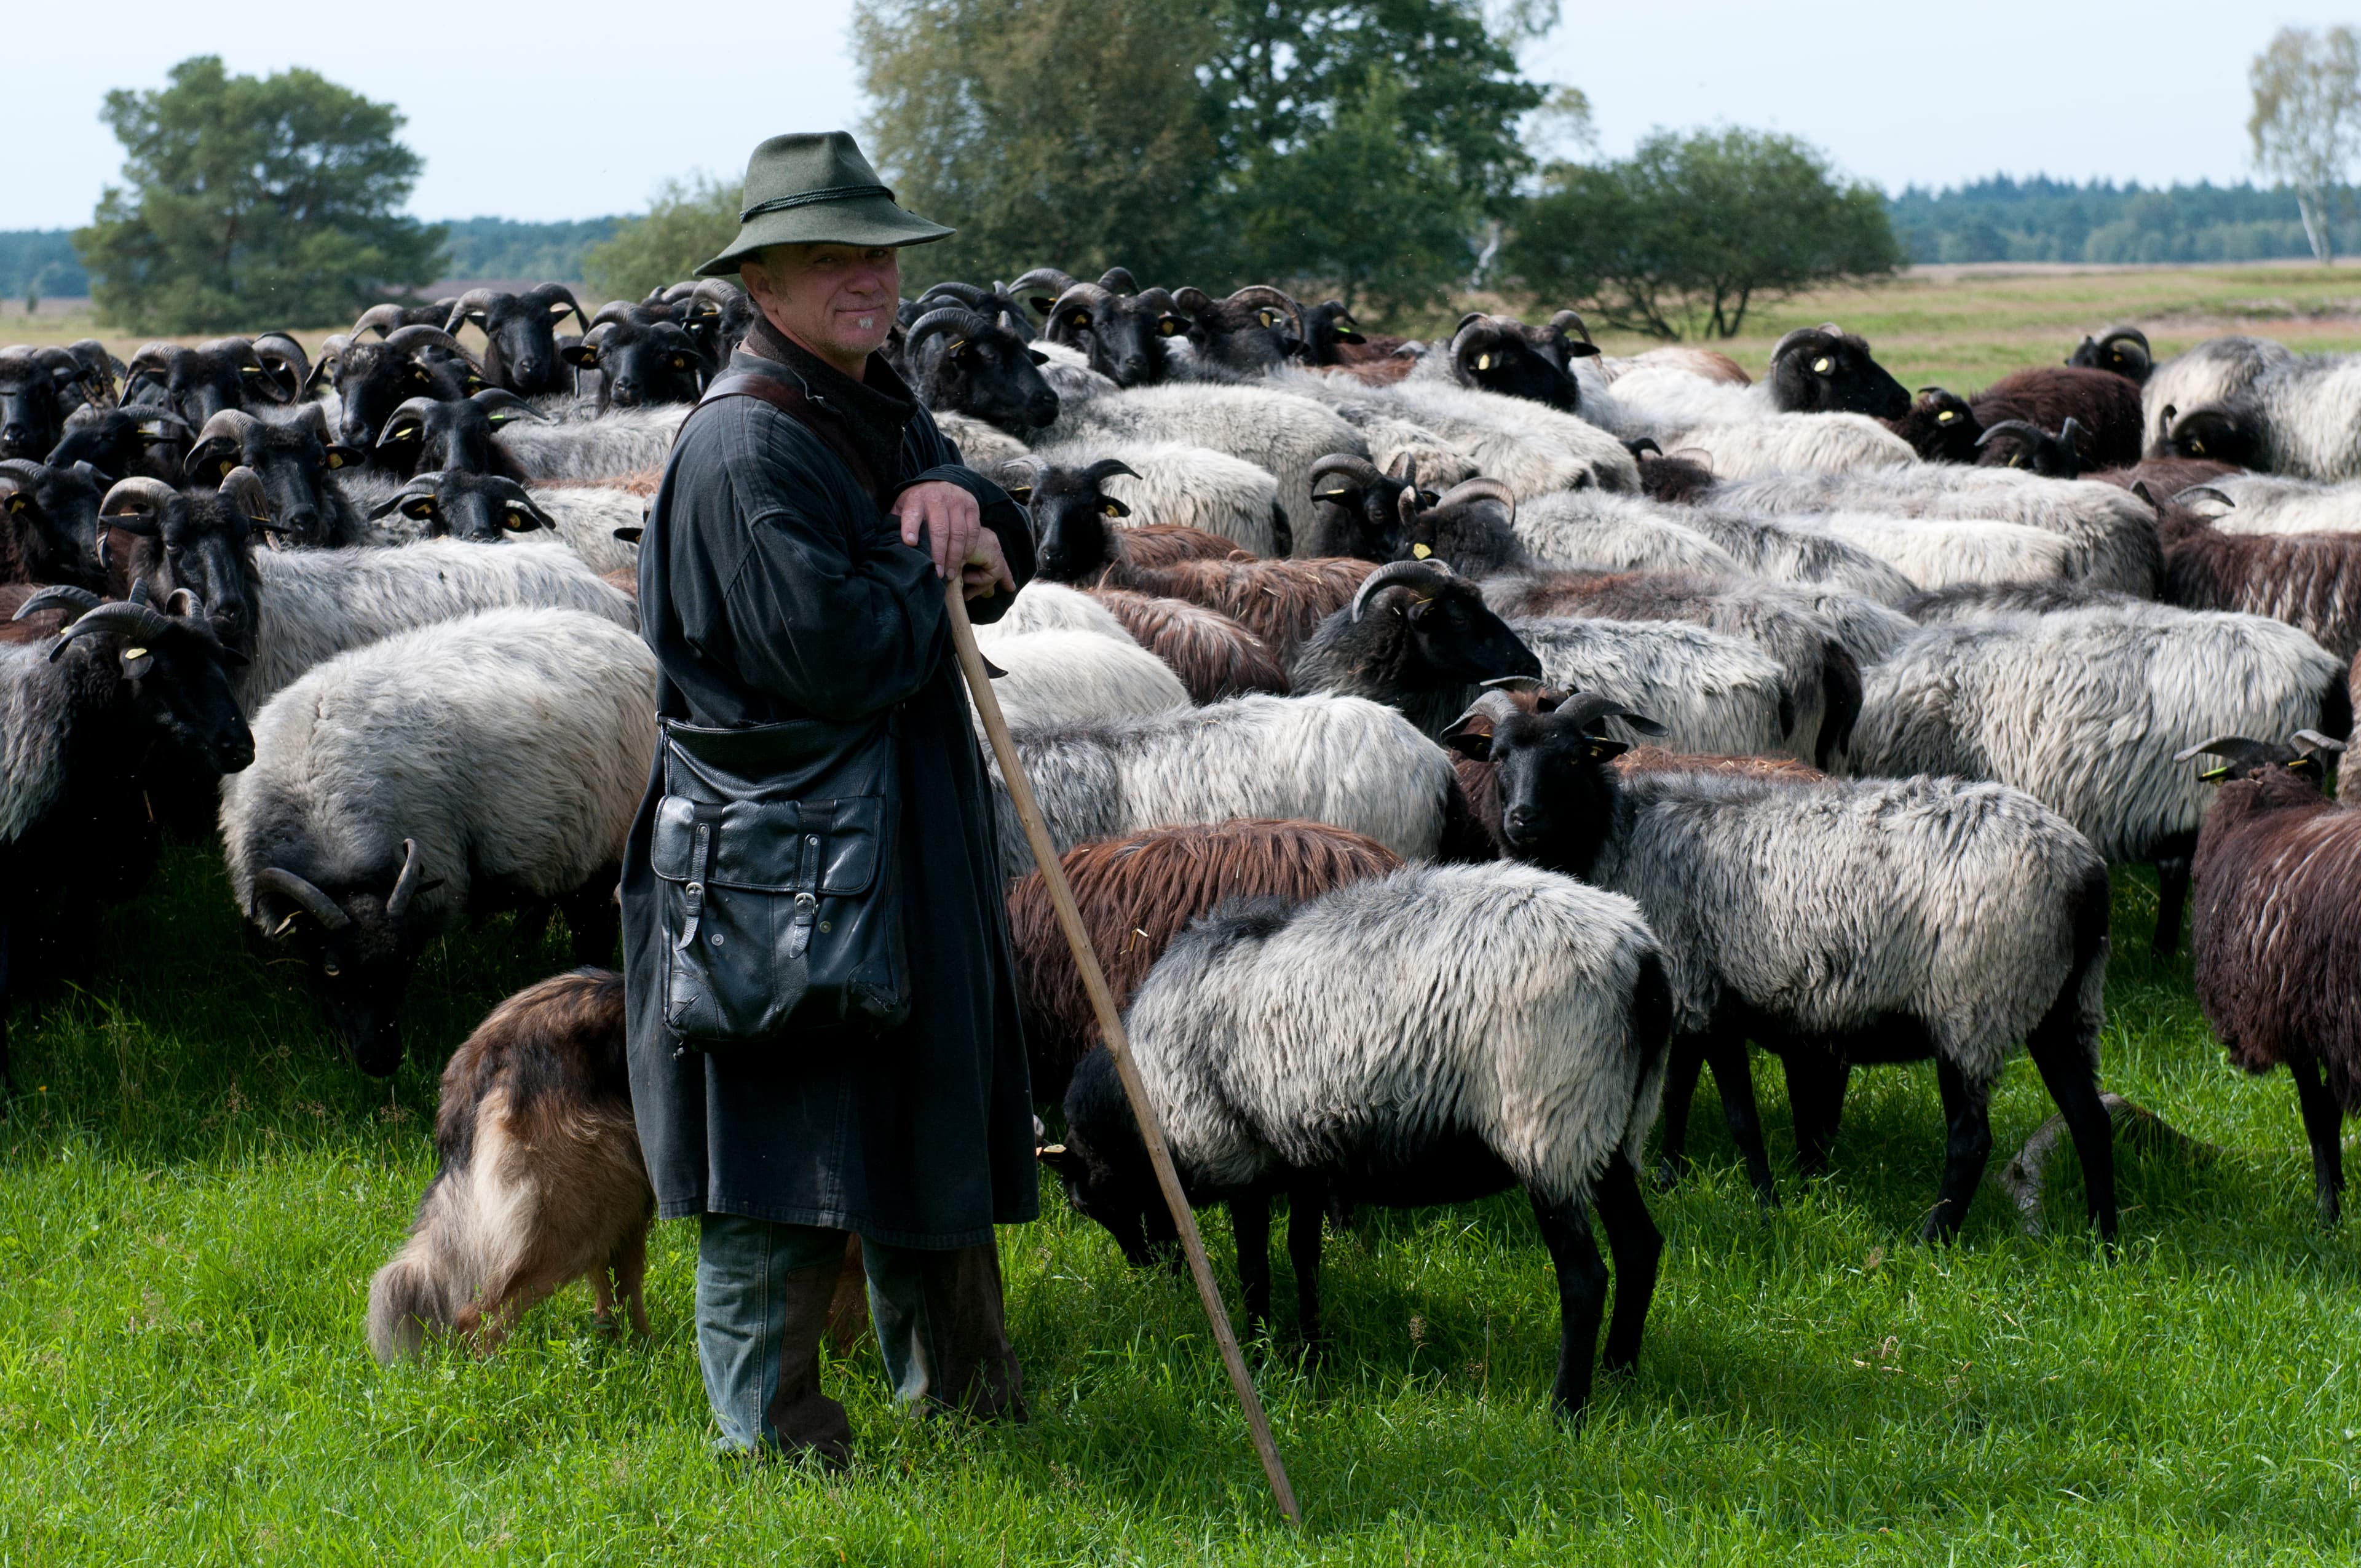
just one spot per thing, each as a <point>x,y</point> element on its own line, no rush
<point>1669,1171</point>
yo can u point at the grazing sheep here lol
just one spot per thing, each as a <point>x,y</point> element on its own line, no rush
<point>1340,760</point>
<point>2083,710</point>
<point>1136,893</point>
<point>1835,921</point>
<point>539,1181</point>
<point>451,771</point>
<point>2278,945</point>
<point>1214,655</point>
<point>1052,677</point>
<point>1486,1025</point>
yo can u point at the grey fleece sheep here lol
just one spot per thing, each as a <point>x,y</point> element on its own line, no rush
<point>2272,503</point>
<point>1818,918</point>
<point>1422,1038</point>
<point>1587,528</point>
<point>1714,694</point>
<point>2211,372</point>
<point>2084,709</point>
<point>595,446</point>
<point>450,770</point>
<point>1344,760</point>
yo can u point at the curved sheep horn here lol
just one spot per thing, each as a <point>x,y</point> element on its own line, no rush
<point>308,899</point>
<point>947,318</point>
<point>1797,336</point>
<point>1270,294</point>
<point>1360,470</point>
<point>498,400</point>
<point>235,424</point>
<point>472,302</point>
<point>405,886</point>
<point>968,294</point>
<point>1406,502</point>
<point>244,486</point>
<point>420,409</point>
<point>427,484</point>
<point>559,301</point>
<point>1107,468</point>
<point>332,359</point>
<point>2221,746</point>
<point>21,472</point>
<point>284,358</point>
<point>1084,297</point>
<point>2023,427</point>
<point>1493,708</point>
<point>1044,283</point>
<point>2317,741</point>
<point>1479,488</point>
<point>615,311</point>
<point>2202,492</point>
<point>1583,711</point>
<point>516,496</point>
<point>134,503</point>
<point>75,601</point>
<point>2116,335</point>
<point>138,623</point>
<point>1565,319</point>
<point>2069,430</point>
<point>1118,281</point>
<point>380,319</point>
<point>1429,573</point>
<point>409,339</point>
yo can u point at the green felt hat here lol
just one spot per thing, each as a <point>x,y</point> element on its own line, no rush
<point>815,188</point>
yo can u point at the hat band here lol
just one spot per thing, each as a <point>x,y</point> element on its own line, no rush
<point>805,198</point>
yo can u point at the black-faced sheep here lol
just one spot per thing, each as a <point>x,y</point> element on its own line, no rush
<point>1246,336</point>
<point>453,435</point>
<point>960,361</point>
<point>372,379</point>
<point>1836,923</point>
<point>1126,331</point>
<point>1418,638</point>
<point>520,335</point>
<point>48,523</point>
<point>2302,419</point>
<point>2122,349</point>
<point>524,738</point>
<point>2278,945</point>
<point>299,465</point>
<point>483,508</point>
<point>224,373</point>
<point>538,1182</point>
<point>1509,1029</point>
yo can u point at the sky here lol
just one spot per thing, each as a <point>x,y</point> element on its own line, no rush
<point>537,113</point>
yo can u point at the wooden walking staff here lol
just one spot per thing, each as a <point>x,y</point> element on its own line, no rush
<point>1118,1044</point>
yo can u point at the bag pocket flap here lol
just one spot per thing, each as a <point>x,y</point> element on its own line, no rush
<point>784,847</point>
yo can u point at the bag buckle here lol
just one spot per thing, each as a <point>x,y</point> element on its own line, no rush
<point>799,934</point>
<point>693,894</point>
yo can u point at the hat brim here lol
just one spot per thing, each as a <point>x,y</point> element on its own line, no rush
<point>864,221</point>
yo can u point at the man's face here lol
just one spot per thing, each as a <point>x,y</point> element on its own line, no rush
<point>835,299</point>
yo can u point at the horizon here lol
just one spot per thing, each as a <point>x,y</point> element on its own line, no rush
<point>1740,64</point>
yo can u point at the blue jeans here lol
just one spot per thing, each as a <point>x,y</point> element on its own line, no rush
<point>764,1290</point>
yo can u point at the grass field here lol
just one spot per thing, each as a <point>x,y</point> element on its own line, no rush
<point>193,1192</point>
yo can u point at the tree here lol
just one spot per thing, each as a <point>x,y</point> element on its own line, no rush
<point>252,200</point>
<point>1068,133</point>
<point>689,223</point>
<point>1692,231</point>
<point>2307,121</point>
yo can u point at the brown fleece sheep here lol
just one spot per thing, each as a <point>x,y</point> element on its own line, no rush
<point>2166,477</point>
<point>2277,939</point>
<point>1136,893</point>
<point>1282,602</point>
<point>2106,406</point>
<point>541,1180</point>
<point>2308,581</point>
<point>1214,655</point>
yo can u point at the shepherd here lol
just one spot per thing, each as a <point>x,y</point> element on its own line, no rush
<point>823,1025</point>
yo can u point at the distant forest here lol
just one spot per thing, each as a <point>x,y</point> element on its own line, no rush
<point>1999,219</point>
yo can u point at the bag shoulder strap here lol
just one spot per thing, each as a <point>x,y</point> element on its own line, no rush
<point>790,399</point>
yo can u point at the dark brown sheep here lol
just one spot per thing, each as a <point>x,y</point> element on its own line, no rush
<point>2278,945</point>
<point>1214,656</point>
<point>2308,581</point>
<point>2106,406</point>
<point>1282,602</point>
<point>540,1180</point>
<point>1136,894</point>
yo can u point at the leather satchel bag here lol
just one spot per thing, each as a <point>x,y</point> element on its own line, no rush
<point>775,852</point>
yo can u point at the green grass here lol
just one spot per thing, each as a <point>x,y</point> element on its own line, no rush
<point>194,1194</point>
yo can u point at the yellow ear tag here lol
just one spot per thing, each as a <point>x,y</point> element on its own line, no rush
<point>334,461</point>
<point>1420,552</point>
<point>2211,774</point>
<point>1947,416</point>
<point>1483,362</point>
<point>129,654</point>
<point>1823,365</point>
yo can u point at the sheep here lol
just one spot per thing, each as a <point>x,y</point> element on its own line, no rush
<point>1166,482</point>
<point>2308,580</point>
<point>2236,503</point>
<point>37,393</point>
<point>299,464</point>
<point>1214,655</point>
<point>483,508</point>
<point>1566,529</point>
<point>48,523</point>
<point>390,317</point>
<point>998,305</point>
<point>1529,447</point>
<point>1340,760</point>
<point>959,361</point>
<point>1963,601</point>
<point>371,379</point>
<point>2082,708</point>
<point>1717,693</point>
<point>520,335</point>
<point>318,604</point>
<point>1356,510</point>
<point>1072,516</point>
<point>2297,419</point>
<point>1487,1025</point>
<point>2106,407</point>
<point>982,446</point>
<point>538,1181</point>
<point>641,364</point>
<point>200,540</point>
<point>1044,606</point>
<point>1136,893</point>
<point>482,764</point>
<point>122,443</point>
<point>1630,532</point>
<point>2113,531</point>
<point>1331,335</point>
<point>2122,349</point>
<point>1936,552</point>
<point>79,715</point>
<point>221,373</point>
<point>2276,942</point>
<point>2017,443</point>
<point>1502,355</point>
<point>1817,917</point>
<point>2167,476</point>
<point>1814,370</point>
<point>1418,638</point>
<point>1253,332</point>
<point>1126,331</point>
<point>1786,443</point>
<point>1939,426</point>
<point>2211,372</point>
<point>616,441</point>
<point>1061,676</point>
<point>453,435</point>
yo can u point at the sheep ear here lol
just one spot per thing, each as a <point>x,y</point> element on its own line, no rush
<point>1601,747</point>
<point>629,535</point>
<point>1036,355</point>
<point>1061,1159</point>
<point>136,662</point>
<point>1112,508</point>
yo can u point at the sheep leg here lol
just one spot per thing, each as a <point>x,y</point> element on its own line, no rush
<point>630,1263</point>
<point>593,920</point>
<point>1816,1078</point>
<point>1581,1299</point>
<point>1734,1076</point>
<point>2172,897</point>
<point>2070,1072</point>
<point>1303,1240</point>
<point>1967,1109</point>
<point>1250,1224</point>
<point>2323,1124</point>
<point>1685,1061</point>
<point>1637,1244</point>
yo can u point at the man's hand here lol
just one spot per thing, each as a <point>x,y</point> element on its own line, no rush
<point>950,518</point>
<point>985,571</point>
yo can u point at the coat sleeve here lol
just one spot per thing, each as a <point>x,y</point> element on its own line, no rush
<point>818,606</point>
